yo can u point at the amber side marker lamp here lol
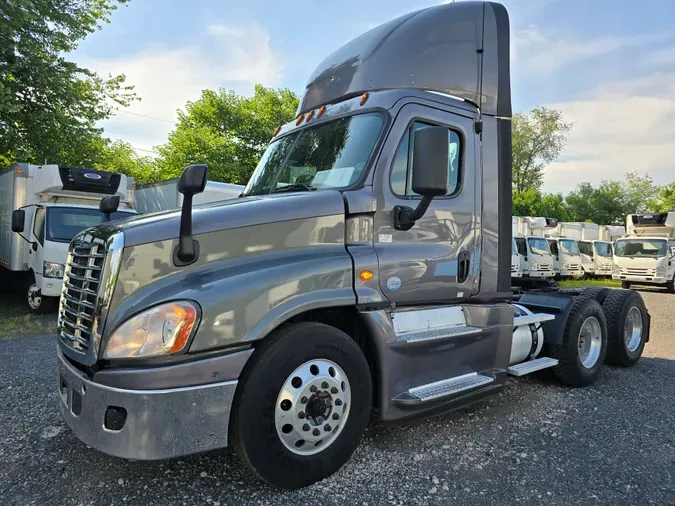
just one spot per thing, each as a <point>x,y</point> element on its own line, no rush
<point>364,98</point>
<point>276,131</point>
<point>322,109</point>
<point>365,275</point>
<point>299,120</point>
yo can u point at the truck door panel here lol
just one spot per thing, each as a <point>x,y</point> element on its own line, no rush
<point>421,264</point>
<point>36,256</point>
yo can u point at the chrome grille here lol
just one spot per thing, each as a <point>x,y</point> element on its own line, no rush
<point>636,271</point>
<point>81,285</point>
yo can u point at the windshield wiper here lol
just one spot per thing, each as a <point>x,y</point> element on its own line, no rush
<point>295,187</point>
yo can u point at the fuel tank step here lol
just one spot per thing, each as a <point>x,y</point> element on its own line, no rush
<point>531,366</point>
<point>422,335</point>
<point>532,318</point>
<point>443,388</point>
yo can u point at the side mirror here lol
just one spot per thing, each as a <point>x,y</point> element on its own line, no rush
<point>430,173</point>
<point>109,205</point>
<point>192,181</point>
<point>18,220</point>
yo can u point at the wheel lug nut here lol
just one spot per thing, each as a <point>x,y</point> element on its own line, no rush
<point>327,428</point>
<point>301,415</point>
<point>324,384</point>
<point>305,427</point>
<point>316,432</point>
<point>304,400</point>
<point>336,416</point>
<point>334,390</point>
<point>313,389</point>
<point>338,402</point>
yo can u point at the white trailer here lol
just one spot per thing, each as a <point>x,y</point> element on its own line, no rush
<point>536,260</point>
<point>164,195</point>
<point>48,205</point>
<point>647,255</point>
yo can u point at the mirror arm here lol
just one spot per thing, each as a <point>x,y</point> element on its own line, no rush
<point>186,245</point>
<point>405,217</point>
<point>26,239</point>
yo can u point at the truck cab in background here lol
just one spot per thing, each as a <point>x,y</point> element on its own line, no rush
<point>516,266</point>
<point>594,243</point>
<point>646,256</point>
<point>536,259</point>
<point>566,257</point>
<point>42,209</point>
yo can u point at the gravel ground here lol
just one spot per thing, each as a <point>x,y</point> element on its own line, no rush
<point>535,443</point>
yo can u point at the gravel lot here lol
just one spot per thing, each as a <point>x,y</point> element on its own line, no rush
<point>536,443</point>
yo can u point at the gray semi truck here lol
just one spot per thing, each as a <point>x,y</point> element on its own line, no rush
<point>365,268</point>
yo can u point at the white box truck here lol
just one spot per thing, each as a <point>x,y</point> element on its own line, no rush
<point>594,245</point>
<point>536,260</point>
<point>566,255</point>
<point>647,255</point>
<point>54,204</point>
<point>164,195</point>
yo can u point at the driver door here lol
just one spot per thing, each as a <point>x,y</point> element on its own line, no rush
<point>36,255</point>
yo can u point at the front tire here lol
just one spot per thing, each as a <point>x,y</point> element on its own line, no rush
<point>625,285</point>
<point>301,406</point>
<point>670,285</point>
<point>582,352</point>
<point>36,302</point>
<point>627,325</point>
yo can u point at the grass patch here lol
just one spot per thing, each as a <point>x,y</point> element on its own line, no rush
<point>16,320</point>
<point>578,283</point>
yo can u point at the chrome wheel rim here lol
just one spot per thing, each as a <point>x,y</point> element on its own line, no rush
<point>632,332</point>
<point>34,296</point>
<point>312,407</point>
<point>590,342</point>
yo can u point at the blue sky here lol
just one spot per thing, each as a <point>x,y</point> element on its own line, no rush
<point>608,65</point>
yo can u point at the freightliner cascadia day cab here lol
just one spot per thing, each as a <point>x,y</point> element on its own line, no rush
<point>536,259</point>
<point>42,207</point>
<point>365,266</point>
<point>647,255</point>
<point>164,195</point>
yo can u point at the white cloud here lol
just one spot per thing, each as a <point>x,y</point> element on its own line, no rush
<point>234,57</point>
<point>536,50</point>
<point>620,127</point>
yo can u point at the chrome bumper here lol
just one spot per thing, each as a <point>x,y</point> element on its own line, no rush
<point>655,280</point>
<point>159,423</point>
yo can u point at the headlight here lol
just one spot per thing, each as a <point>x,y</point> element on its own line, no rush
<point>52,270</point>
<point>661,270</point>
<point>159,331</point>
<point>566,265</point>
<point>535,265</point>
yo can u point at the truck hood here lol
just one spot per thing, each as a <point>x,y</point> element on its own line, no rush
<point>640,262</point>
<point>231,214</point>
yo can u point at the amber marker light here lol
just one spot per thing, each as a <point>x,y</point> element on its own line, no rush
<point>276,131</point>
<point>299,120</point>
<point>366,275</point>
<point>364,98</point>
<point>310,115</point>
<point>322,109</point>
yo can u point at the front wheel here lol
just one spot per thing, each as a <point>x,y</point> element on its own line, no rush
<point>36,302</point>
<point>625,285</point>
<point>670,285</point>
<point>302,405</point>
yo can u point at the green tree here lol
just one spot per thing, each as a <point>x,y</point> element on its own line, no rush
<point>49,106</point>
<point>640,192</point>
<point>664,200</point>
<point>608,204</point>
<point>538,139</point>
<point>226,131</point>
<point>532,202</point>
<point>119,156</point>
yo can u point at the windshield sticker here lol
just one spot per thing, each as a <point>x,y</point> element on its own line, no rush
<point>385,237</point>
<point>393,283</point>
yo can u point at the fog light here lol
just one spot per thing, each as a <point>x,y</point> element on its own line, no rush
<point>115,418</point>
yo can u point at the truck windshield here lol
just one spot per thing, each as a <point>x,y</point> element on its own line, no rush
<point>64,223</point>
<point>329,155</point>
<point>539,246</point>
<point>641,248</point>
<point>604,249</point>
<point>569,246</point>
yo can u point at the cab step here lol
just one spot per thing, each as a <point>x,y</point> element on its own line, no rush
<point>532,366</point>
<point>423,335</point>
<point>443,388</point>
<point>530,319</point>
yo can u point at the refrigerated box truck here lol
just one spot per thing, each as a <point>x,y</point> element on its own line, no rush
<point>536,260</point>
<point>164,195</point>
<point>57,202</point>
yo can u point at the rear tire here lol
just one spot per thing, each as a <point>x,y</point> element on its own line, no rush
<point>625,285</point>
<point>627,327</point>
<point>287,442</point>
<point>582,352</point>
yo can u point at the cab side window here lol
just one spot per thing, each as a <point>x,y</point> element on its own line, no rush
<point>39,225</point>
<point>554,247</point>
<point>672,248</point>
<point>401,172</point>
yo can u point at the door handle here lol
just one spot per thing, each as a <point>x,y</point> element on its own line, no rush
<point>463,264</point>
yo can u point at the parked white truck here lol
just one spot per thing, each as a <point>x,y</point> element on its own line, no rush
<point>647,255</point>
<point>48,205</point>
<point>594,245</point>
<point>164,195</point>
<point>536,260</point>
<point>566,257</point>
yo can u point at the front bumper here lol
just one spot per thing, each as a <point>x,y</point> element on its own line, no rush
<point>159,423</point>
<point>657,280</point>
<point>569,273</point>
<point>607,271</point>
<point>51,287</point>
<point>541,274</point>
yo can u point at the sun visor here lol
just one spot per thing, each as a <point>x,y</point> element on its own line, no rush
<point>437,49</point>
